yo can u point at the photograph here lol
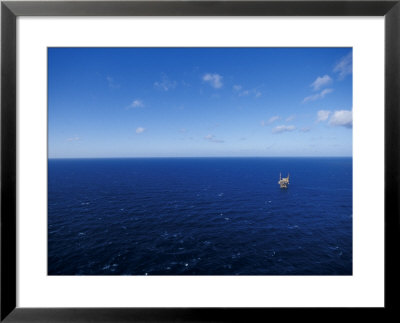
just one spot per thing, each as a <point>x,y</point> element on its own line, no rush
<point>177,161</point>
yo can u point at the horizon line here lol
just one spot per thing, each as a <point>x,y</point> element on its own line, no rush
<point>176,157</point>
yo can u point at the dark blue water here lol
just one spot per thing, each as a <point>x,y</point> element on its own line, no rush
<point>200,216</point>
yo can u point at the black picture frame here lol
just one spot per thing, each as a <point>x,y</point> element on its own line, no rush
<point>10,10</point>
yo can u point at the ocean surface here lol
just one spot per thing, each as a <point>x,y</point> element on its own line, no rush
<point>199,216</point>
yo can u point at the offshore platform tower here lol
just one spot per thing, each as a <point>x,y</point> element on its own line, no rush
<point>283,182</point>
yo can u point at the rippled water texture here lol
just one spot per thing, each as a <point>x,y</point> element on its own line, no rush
<point>200,216</point>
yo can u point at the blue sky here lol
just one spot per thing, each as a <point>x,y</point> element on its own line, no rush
<point>198,102</point>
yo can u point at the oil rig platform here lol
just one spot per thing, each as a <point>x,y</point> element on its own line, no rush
<point>283,182</point>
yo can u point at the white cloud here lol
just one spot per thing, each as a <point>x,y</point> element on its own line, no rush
<point>269,121</point>
<point>241,92</point>
<point>137,104</point>
<point>305,129</point>
<point>325,92</point>
<point>212,138</point>
<point>342,118</point>
<point>290,118</point>
<point>165,83</point>
<point>272,119</point>
<point>321,82</point>
<point>140,130</point>
<point>344,66</point>
<point>323,115</point>
<point>283,128</point>
<point>76,138</point>
<point>111,83</point>
<point>317,96</point>
<point>215,80</point>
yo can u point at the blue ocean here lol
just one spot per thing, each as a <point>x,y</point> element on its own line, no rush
<point>199,216</point>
